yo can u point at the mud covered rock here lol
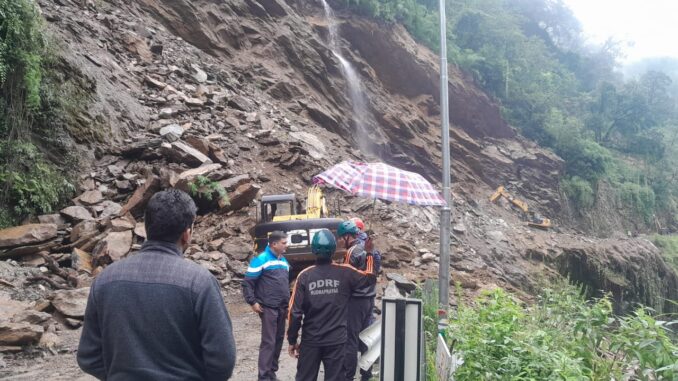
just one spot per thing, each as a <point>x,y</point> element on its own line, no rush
<point>26,235</point>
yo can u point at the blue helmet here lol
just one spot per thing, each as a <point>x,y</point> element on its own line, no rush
<point>347,227</point>
<point>324,244</point>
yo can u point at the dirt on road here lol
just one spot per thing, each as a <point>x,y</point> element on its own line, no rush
<point>62,366</point>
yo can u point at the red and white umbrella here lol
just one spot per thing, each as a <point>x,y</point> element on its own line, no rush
<point>382,181</point>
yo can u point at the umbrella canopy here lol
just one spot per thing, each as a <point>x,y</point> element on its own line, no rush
<point>382,181</point>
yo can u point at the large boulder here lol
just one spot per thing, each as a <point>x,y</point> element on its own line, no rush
<point>91,197</point>
<point>316,148</point>
<point>121,224</point>
<point>119,244</point>
<point>81,260</point>
<point>108,208</point>
<point>183,153</point>
<point>21,251</point>
<point>76,214</point>
<point>52,219</point>
<point>137,45</point>
<point>238,252</point>
<point>141,196</point>
<point>71,303</point>
<point>172,132</point>
<point>26,235</point>
<point>13,334</point>
<point>113,247</point>
<point>19,323</point>
<point>237,267</point>
<point>322,116</point>
<point>241,197</point>
<point>184,178</point>
<point>232,183</point>
<point>10,307</point>
<point>401,282</point>
<point>83,229</point>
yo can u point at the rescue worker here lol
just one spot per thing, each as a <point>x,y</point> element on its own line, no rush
<point>266,289</point>
<point>362,299</point>
<point>318,306</point>
<point>362,235</point>
<point>366,240</point>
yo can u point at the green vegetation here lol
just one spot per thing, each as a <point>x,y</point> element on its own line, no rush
<point>36,186</point>
<point>563,93</point>
<point>206,189</point>
<point>562,336</point>
<point>669,247</point>
<point>579,191</point>
<point>430,316</point>
<point>30,183</point>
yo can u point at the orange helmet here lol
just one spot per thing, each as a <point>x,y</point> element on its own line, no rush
<point>359,223</point>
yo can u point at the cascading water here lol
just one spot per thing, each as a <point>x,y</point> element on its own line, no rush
<point>361,114</point>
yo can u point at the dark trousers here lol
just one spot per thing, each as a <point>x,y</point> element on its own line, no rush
<point>310,357</point>
<point>272,336</point>
<point>359,318</point>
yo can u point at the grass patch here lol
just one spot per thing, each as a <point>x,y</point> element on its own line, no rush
<point>668,244</point>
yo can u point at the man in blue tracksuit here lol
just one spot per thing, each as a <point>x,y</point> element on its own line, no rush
<point>267,290</point>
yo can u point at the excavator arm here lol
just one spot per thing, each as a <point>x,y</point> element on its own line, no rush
<point>315,203</point>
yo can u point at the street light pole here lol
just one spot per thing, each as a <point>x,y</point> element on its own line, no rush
<point>446,211</point>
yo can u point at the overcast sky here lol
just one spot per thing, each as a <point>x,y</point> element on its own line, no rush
<point>650,25</point>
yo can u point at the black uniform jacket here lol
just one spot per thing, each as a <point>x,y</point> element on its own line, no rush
<point>320,300</point>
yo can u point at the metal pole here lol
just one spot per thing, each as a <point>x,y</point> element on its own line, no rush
<point>445,213</point>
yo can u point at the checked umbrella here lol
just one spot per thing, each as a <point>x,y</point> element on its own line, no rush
<point>382,181</point>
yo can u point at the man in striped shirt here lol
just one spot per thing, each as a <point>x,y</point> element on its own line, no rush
<point>267,290</point>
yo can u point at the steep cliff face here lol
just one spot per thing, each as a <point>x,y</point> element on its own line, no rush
<point>253,87</point>
<point>282,48</point>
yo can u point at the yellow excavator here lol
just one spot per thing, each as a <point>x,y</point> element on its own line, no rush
<point>279,212</point>
<point>315,207</point>
<point>533,219</point>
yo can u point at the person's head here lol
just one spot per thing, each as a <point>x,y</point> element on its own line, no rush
<point>324,245</point>
<point>169,217</point>
<point>277,241</point>
<point>347,231</point>
<point>359,223</point>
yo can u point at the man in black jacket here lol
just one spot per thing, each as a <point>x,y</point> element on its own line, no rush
<point>155,315</point>
<point>318,306</point>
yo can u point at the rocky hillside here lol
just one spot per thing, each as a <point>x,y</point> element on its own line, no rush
<point>246,94</point>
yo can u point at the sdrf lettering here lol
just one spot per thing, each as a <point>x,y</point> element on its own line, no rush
<point>323,283</point>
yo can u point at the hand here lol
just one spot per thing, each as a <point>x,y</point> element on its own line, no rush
<point>369,246</point>
<point>256,307</point>
<point>293,350</point>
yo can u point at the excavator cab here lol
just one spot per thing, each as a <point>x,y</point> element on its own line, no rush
<point>537,221</point>
<point>274,206</point>
<point>283,207</point>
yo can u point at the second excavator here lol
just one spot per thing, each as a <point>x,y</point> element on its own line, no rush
<point>533,219</point>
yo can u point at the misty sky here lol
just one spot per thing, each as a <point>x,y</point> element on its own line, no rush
<point>651,25</point>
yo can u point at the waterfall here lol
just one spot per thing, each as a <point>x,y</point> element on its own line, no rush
<point>361,113</point>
